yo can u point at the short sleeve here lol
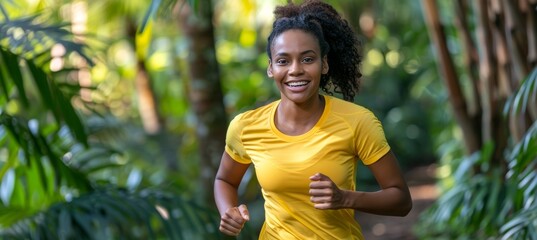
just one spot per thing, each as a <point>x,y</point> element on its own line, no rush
<point>370,140</point>
<point>234,146</point>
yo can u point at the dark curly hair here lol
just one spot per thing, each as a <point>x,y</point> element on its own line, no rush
<point>336,39</point>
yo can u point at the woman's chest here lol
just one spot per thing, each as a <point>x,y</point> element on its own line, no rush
<point>286,166</point>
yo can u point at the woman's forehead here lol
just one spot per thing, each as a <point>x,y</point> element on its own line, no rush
<point>295,40</point>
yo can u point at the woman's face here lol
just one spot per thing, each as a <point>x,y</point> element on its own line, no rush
<point>296,65</point>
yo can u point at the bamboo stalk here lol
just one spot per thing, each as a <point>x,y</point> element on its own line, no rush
<point>515,41</point>
<point>486,65</point>
<point>531,30</point>
<point>470,57</point>
<point>501,49</point>
<point>456,98</point>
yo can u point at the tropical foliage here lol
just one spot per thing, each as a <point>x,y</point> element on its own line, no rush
<point>491,191</point>
<point>489,201</point>
<point>57,159</point>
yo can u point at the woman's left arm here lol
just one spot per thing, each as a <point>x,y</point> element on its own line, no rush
<point>392,199</point>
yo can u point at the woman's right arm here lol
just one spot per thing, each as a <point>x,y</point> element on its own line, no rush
<point>226,184</point>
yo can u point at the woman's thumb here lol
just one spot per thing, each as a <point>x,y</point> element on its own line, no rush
<point>244,212</point>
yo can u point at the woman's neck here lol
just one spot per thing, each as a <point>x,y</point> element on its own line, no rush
<point>296,119</point>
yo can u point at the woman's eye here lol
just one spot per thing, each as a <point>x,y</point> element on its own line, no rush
<point>281,61</point>
<point>308,60</point>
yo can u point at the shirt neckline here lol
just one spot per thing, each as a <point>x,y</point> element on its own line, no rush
<point>305,135</point>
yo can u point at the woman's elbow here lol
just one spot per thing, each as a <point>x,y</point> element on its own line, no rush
<point>405,205</point>
<point>406,208</point>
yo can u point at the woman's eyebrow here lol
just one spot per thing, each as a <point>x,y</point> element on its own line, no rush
<point>286,53</point>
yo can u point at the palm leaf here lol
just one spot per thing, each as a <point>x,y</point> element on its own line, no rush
<point>522,162</point>
<point>522,225</point>
<point>116,213</point>
<point>44,36</point>
<point>521,100</point>
<point>57,103</point>
<point>30,33</point>
<point>40,172</point>
<point>13,72</point>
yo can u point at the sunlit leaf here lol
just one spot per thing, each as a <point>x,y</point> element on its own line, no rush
<point>71,118</point>
<point>14,73</point>
<point>42,82</point>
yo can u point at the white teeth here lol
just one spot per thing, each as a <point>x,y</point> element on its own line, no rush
<point>297,84</point>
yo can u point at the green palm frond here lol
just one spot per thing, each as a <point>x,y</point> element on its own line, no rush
<point>39,176</point>
<point>9,69</point>
<point>522,163</point>
<point>25,45</point>
<point>523,190</point>
<point>33,40</point>
<point>112,213</point>
<point>52,97</point>
<point>525,98</point>
<point>522,226</point>
<point>38,152</point>
<point>474,201</point>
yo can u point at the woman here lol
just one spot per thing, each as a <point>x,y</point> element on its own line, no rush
<point>305,146</point>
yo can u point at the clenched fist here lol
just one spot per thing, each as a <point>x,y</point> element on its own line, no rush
<point>232,222</point>
<point>324,193</point>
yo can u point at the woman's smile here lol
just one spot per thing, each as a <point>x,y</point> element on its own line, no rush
<point>297,86</point>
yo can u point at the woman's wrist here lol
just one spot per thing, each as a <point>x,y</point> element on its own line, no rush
<point>349,199</point>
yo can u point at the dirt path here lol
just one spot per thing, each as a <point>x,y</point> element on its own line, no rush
<point>422,188</point>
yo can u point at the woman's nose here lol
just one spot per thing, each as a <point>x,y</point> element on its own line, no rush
<point>296,68</point>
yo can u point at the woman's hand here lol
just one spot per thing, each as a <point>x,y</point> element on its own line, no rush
<point>324,193</point>
<point>232,222</point>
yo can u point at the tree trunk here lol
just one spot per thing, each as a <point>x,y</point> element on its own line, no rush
<point>152,121</point>
<point>204,89</point>
<point>468,124</point>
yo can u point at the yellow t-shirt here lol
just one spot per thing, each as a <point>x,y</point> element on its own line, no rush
<point>345,133</point>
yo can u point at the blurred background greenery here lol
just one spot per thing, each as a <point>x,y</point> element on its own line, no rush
<point>113,113</point>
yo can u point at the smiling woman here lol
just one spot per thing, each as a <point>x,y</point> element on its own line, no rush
<point>305,146</point>
<point>297,67</point>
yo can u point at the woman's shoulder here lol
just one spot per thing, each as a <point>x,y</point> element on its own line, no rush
<point>340,106</point>
<point>352,113</point>
<point>257,113</point>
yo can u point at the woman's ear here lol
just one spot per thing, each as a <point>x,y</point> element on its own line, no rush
<point>269,70</point>
<point>325,65</point>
